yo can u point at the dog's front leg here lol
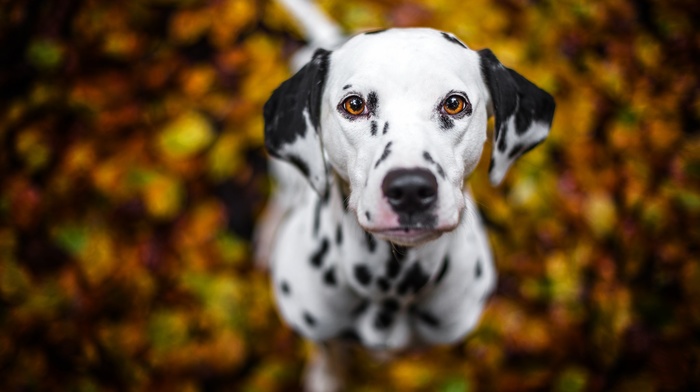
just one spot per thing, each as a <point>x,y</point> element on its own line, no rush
<point>325,371</point>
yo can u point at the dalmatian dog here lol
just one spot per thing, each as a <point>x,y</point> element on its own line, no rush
<point>376,239</point>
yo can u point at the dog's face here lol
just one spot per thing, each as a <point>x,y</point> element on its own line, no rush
<point>401,115</point>
<point>403,118</point>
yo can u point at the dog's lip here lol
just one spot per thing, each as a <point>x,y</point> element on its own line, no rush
<point>411,229</point>
<point>407,235</point>
<point>406,230</point>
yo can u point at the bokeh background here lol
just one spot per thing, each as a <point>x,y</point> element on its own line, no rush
<point>132,171</point>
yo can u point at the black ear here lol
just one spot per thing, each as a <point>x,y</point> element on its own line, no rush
<point>292,118</point>
<point>523,113</point>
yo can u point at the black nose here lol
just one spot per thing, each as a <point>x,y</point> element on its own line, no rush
<point>410,190</point>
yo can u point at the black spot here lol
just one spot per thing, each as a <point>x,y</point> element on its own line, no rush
<point>375,32</point>
<point>453,40</point>
<point>502,145</point>
<point>399,252</point>
<point>347,86</point>
<point>523,119</point>
<point>317,257</point>
<point>430,159</point>
<point>309,319</point>
<point>372,103</point>
<point>386,128</point>
<point>300,164</point>
<point>349,335</point>
<point>373,130</point>
<point>414,280</point>
<point>439,170</point>
<point>369,217</point>
<point>385,154</point>
<point>360,308</point>
<point>383,285</point>
<point>339,234</point>
<point>383,320</point>
<point>443,269</point>
<point>284,286</point>
<point>477,269</point>
<point>515,151</point>
<point>371,242</point>
<point>329,277</point>
<point>362,274</point>
<point>446,122</point>
<point>326,197</point>
<point>393,267</point>
<point>428,318</point>
<point>317,217</point>
<point>390,305</point>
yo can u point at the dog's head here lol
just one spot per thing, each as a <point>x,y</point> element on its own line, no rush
<point>400,115</point>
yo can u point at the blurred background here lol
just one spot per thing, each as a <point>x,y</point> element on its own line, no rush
<point>132,172</point>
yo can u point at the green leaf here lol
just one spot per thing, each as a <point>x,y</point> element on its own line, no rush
<point>72,238</point>
<point>167,330</point>
<point>44,54</point>
<point>571,380</point>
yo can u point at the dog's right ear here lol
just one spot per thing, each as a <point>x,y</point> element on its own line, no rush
<point>292,121</point>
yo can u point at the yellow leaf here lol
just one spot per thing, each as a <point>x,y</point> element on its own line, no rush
<point>98,258</point>
<point>224,158</point>
<point>185,136</point>
<point>187,26</point>
<point>600,213</point>
<point>198,80</point>
<point>162,194</point>
<point>33,149</point>
<point>15,283</point>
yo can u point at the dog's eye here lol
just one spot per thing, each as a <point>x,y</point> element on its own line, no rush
<point>354,105</point>
<point>454,104</point>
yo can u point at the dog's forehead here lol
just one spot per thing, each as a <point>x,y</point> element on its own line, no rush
<point>401,53</point>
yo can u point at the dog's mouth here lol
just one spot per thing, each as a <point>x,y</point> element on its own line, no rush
<point>408,236</point>
<point>411,232</point>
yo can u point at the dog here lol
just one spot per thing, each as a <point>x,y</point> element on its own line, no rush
<point>375,238</point>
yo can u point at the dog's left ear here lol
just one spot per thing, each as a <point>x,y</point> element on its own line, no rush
<point>523,114</point>
<point>292,118</point>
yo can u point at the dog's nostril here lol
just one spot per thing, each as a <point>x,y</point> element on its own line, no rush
<point>410,190</point>
<point>426,192</point>
<point>394,193</point>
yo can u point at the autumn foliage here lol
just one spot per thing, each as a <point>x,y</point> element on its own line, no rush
<point>132,171</point>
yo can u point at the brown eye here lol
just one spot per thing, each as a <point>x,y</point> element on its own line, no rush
<point>454,104</point>
<point>354,105</point>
